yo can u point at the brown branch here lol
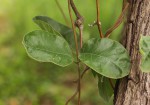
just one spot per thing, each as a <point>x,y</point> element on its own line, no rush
<point>75,9</point>
<point>72,97</point>
<point>82,74</point>
<point>118,22</point>
<point>81,35</point>
<point>79,21</point>
<point>71,4</point>
<point>74,31</point>
<point>79,24</point>
<point>79,85</point>
<point>62,12</point>
<point>98,19</point>
<point>85,70</point>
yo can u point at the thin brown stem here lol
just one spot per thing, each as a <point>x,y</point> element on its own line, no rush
<point>75,9</point>
<point>111,83</point>
<point>98,19</point>
<point>73,27</point>
<point>85,70</point>
<point>118,22</point>
<point>77,53</point>
<point>81,36</point>
<point>79,86</point>
<point>79,24</point>
<point>72,97</point>
<point>79,21</point>
<point>82,74</point>
<point>62,12</point>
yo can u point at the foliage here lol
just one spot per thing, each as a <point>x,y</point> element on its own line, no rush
<point>105,89</point>
<point>48,47</point>
<point>52,26</point>
<point>105,56</point>
<point>22,77</point>
<point>145,52</point>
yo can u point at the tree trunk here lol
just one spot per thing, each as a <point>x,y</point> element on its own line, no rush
<point>135,89</point>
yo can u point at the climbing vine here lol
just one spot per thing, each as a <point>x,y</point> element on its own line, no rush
<point>106,58</point>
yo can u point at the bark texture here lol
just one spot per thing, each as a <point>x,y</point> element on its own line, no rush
<point>135,89</point>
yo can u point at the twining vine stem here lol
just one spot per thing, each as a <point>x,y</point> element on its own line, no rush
<point>74,30</point>
<point>118,22</point>
<point>98,19</point>
<point>78,23</point>
<point>82,74</point>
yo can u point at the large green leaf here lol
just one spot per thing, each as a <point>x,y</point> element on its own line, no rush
<point>145,52</point>
<point>105,89</point>
<point>53,26</point>
<point>107,57</point>
<point>46,47</point>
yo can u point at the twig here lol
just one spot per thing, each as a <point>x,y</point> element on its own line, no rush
<point>79,24</point>
<point>79,85</point>
<point>82,74</point>
<point>79,21</point>
<point>81,35</point>
<point>73,27</point>
<point>75,9</point>
<point>118,22</point>
<point>62,12</point>
<point>98,19</point>
<point>85,70</point>
<point>72,97</point>
<point>71,4</point>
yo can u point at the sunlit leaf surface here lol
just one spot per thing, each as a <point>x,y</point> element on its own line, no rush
<point>107,57</point>
<point>55,27</point>
<point>46,47</point>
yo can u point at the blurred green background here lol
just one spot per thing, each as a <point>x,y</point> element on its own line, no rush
<point>24,81</point>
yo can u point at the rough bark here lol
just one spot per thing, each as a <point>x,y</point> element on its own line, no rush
<point>135,89</point>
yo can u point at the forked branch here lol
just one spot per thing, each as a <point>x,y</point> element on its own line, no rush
<point>79,21</point>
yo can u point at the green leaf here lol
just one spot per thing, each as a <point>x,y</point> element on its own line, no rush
<point>46,47</point>
<point>107,57</point>
<point>145,52</point>
<point>53,26</point>
<point>105,89</point>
